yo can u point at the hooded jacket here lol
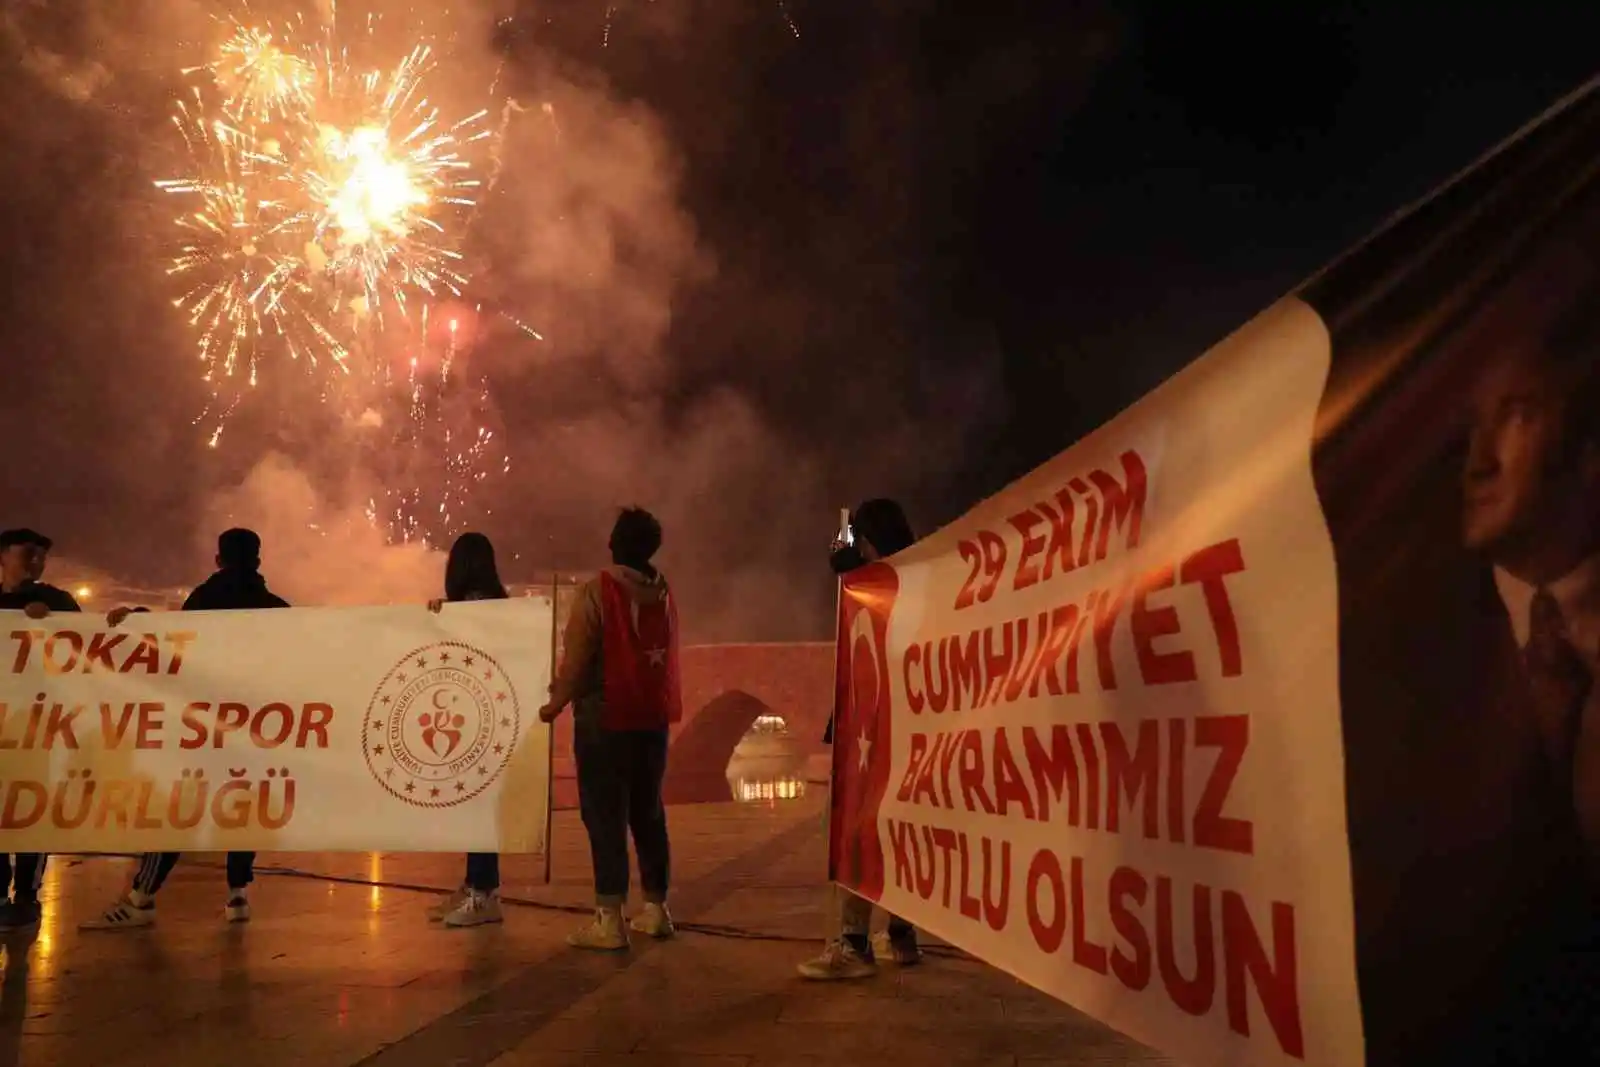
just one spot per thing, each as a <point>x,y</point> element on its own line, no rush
<point>581,676</point>
<point>233,589</point>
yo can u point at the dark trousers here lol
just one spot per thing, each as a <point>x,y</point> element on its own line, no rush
<point>483,871</point>
<point>619,790</point>
<point>155,866</point>
<point>21,876</point>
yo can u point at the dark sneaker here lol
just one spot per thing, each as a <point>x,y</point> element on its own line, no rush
<point>904,950</point>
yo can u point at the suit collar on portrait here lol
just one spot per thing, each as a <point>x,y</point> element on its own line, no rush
<point>1578,594</point>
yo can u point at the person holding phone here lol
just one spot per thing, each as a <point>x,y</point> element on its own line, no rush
<point>876,529</point>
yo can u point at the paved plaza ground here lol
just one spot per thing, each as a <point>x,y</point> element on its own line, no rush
<point>339,967</point>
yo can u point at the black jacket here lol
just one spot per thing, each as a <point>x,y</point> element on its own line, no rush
<point>233,590</point>
<point>845,559</point>
<point>881,521</point>
<point>475,595</point>
<point>35,593</point>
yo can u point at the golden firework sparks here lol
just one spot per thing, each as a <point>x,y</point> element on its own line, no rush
<point>324,207</point>
<point>380,190</point>
<point>249,290</point>
<point>262,79</point>
<point>320,196</point>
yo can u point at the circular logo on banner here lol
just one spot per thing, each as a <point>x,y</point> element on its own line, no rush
<point>441,726</point>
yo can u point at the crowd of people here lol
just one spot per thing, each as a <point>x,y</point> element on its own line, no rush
<point>618,674</point>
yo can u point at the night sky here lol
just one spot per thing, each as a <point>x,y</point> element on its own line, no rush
<point>935,243</point>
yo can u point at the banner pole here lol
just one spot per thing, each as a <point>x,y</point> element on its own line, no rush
<point>550,744</point>
<point>831,923</point>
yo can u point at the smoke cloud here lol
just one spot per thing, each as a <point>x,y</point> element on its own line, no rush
<point>680,363</point>
<point>316,550</point>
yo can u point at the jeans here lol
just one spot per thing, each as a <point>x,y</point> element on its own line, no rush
<point>28,870</point>
<point>155,866</point>
<point>619,790</point>
<point>483,871</point>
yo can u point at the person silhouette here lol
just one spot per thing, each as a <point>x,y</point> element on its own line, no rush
<point>470,574</point>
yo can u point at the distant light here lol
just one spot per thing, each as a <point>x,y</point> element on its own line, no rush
<point>85,592</point>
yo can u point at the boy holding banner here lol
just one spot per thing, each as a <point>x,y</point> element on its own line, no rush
<point>236,585</point>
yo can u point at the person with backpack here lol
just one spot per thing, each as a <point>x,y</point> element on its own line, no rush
<point>619,672</point>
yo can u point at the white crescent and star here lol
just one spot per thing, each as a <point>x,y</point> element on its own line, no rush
<point>861,627</point>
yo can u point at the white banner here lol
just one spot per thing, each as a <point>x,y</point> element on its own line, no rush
<point>307,729</point>
<point>1090,732</point>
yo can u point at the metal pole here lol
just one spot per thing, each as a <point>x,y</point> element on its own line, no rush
<point>550,743</point>
<point>832,922</point>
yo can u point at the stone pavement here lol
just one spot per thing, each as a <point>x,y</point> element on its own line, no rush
<point>339,967</point>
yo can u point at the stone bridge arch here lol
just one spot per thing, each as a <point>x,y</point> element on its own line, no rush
<point>697,763</point>
<point>725,687</point>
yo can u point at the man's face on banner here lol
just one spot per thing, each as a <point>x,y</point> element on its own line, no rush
<point>1526,478</point>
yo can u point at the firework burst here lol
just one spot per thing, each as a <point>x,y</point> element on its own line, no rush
<point>321,194</point>
<point>263,81</point>
<point>382,171</point>
<point>325,204</point>
<point>250,290</point>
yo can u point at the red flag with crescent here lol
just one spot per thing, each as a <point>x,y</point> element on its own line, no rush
<point>862,728</point>
<point>639,659</point>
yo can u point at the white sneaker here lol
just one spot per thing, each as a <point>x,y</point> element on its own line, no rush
<point>654,921</point>
<point>606,933</point>
<point>123,915</point>
<point>444,906</point>
<point>237,910</point>
<point>838,961</point>
<point>475,909</point>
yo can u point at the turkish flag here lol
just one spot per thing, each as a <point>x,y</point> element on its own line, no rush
<point>639,659</point>
<point>862,728</point>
